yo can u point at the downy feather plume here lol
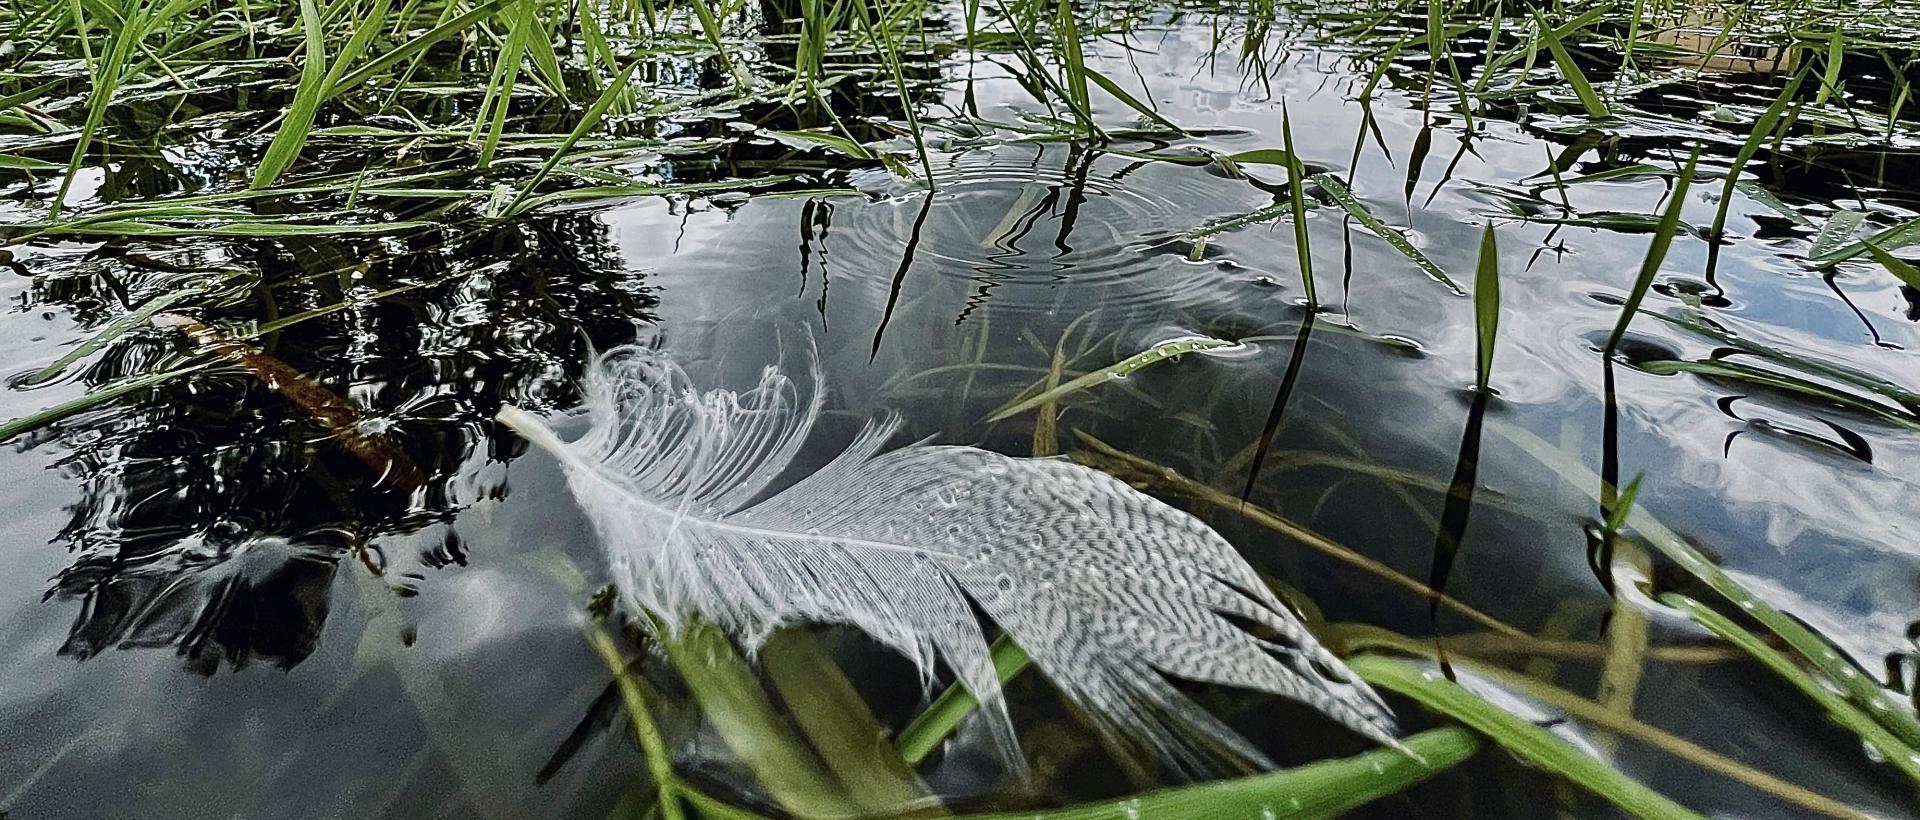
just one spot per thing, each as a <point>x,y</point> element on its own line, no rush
<point>1108,590</point>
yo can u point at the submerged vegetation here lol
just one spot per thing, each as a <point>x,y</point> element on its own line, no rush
<point>309,249</point>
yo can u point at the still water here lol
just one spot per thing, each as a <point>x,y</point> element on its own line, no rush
<point>215,610</point>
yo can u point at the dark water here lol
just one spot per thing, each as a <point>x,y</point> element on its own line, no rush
<point>215,610</point>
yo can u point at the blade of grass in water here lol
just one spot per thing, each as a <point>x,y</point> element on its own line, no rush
<point>1297,205</point>
<point>639,715</point>
<point>588,121</point>
<point>1169,349</point>
<point>1526,741</point>
<point>1763,127</point>
<point>1836,233</point>
<point>1783,382</point>
<point>730,696</point>
<point>306,102</point>
<point>1885,746</point>
<point>1486,306</point>
<point>1655,255</point>
<point>1864,691</point>
<point>93,398</point>
<point>840,726</point>
<point>1366,638</point>
<point>1900,268</point>
<point>1399,241</point>
<point>1314,791</point>
<point>114,330</point>
<point>1896,237</point>
<point>940,718</point>
<point>1570,70</point>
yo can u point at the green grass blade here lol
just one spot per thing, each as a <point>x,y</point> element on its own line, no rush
<point>1162,351</point>
<point>941,717</point>
<point>1570,70</point>
<point>1656,254</point>
<point>1486,305</point>
<point>1108,85</point>
<point>1896,237</point>
<point>588,121</point>
<point>1876,737</point>
<point>416,46</point>
<point>113,330</point>
<point>363,33</point>
<point>91,399</point>
<point>1297,206</point>
<point>1862,689</point>
<point>1398,240</point>
<point>1836,233</point>
<point>1529,742</point>
<point>1783,382</point>
<point>839,725</point>
<point>1763,127</point>
<point>1314,791</point>
<point>1900,268</point>
<point>306,102</point>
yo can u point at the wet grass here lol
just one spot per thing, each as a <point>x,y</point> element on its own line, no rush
<point>345,130</point>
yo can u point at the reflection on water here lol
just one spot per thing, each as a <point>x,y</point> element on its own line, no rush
<point>353,645</point>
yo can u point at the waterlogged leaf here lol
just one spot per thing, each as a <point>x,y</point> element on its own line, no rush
<point>1171,348</point>
<point>1529,742</point>
<point>1838,230</point>
<point>1399,241</point>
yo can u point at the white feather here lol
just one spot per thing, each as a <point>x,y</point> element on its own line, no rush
<point>1108,590</point>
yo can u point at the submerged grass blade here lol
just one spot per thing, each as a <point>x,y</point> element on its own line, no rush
<point>1315,791</point>
<point>938,721</point>
<point>1526,741</point>
<point>1159,352</point>
<point>1861,689</point>
<point>1876,737</point>
<point>841,728</point>
<point>92,399</point>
